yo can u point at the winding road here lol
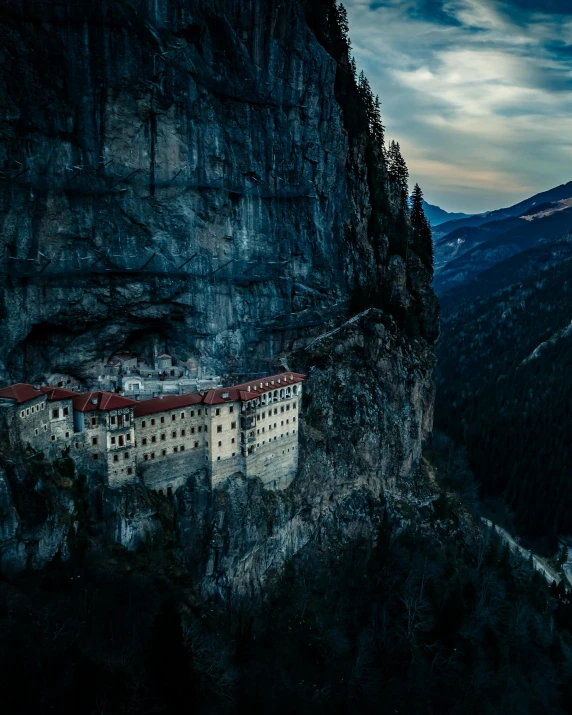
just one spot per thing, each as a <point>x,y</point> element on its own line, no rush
<point>537,561</point>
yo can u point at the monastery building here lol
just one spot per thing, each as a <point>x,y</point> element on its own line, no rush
<point>250,428</point>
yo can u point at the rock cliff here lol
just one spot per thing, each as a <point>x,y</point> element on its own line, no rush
<point>193,172</point>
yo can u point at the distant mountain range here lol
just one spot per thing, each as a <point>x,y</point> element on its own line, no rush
<point>436,215</point>
<point>467,249</point>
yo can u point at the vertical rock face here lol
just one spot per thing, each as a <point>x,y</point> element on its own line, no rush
<point>180,170</point>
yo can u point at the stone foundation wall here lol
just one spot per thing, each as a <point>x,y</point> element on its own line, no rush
<point>172,470</point>
<point>275,463</point>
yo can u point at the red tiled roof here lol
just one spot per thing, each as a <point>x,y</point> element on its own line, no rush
<point>169,402</point>
<point>240,392</point>
<point>265,384</point>
<point>57,393</point>
<point>104,401</point>
<point>215,397</point>
<point>20,392</point>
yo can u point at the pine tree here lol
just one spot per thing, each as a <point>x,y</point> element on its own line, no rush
<point>376,125</point>
<point>341,17</point>
<point>422,239</point>
<point>397,169</point>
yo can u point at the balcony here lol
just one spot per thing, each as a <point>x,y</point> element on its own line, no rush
<point>247,422</point>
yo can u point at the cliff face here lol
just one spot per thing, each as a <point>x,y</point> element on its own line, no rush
<point>182,171</point>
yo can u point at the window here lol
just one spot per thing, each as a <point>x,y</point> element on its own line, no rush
<point>264,415</point>
<point>219,428</point>
<point>287,422</point>
<point>67,435</point>
<point>275,410</point>
<point>182,448</point>
<point>153,439</point>
<point>94,441</point>
<point>233,425</point>
<point>293,419</point>
<point>121,440</point>
<point>192,413</point>
<point>43,405</point>
<point>53,438</point>
<point>152,455</point>
<point>66,411</point>
<point>152,423</point>
<point>22,414</point>
<point>113,420</point>
<point>163,437</point>
<point>199,428</point>
<point>183,433</point>
<point>282,408</point>
<point>45,428</point>
<point>36,431</point>
<point>182,415</point>
<point>93,421</point>
<point>28,412</point>
<point>126,417</point>
<point>95,456</point>
<point>217,412</point>
<point>199,413</point>
<point>206,444</point>
<point>192,430</point>
<point>164,452</point>
<point>220,444</point>
<point>232,440</point>
<point>146,457</point>
<point>287,407</point>
<point>126,455</point>
<point>175,449</point>
<point>55,414</point>
<point>206,428</point>
<point>143,423</point>
<point>128,437</point>
<point>116,458</point>
<point>234,454</point>
<point>196,445</point>
<point>173,418</point>
<point>163,420</point>
<point>129,470</point>
<point>113,440</point>
<point>174,434</point>
<point>218,459</point>
<point>231,409</point>
<point>144,441</point>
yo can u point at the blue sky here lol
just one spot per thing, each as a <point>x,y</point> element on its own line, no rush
<point>477,92</point>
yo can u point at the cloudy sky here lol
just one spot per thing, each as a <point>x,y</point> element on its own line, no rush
<point>477,92</point>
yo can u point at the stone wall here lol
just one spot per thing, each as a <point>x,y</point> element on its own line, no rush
<point>275,462</point>
<point>171,471</point>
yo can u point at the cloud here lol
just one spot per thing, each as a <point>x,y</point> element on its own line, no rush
<point>478,93</point>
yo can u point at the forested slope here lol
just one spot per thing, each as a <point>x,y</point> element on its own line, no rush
<point>505,389</point>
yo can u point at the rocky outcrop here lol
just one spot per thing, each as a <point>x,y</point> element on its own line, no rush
<point>187,173</point>
<point>172,170</point>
